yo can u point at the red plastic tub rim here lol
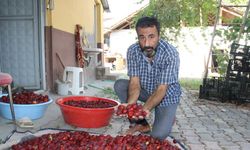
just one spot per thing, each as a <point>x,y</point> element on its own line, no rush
<point>60,102</point>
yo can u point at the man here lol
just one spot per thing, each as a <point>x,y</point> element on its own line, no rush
<point>153,68</point>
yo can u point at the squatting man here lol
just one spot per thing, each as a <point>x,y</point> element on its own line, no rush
<point>153,70</point>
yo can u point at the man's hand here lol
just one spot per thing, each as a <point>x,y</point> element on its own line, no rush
<point>147,112</point>
<point>142,114</point>
<point>121,110</point>
<point>132,111</point>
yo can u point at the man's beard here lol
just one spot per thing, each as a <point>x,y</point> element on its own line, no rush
<point>149,51</point>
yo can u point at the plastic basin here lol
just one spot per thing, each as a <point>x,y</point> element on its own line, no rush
<point>86,117</point>
<point>32,111</point>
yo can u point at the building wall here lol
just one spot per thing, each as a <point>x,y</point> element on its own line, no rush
<point>66,14</point>
<point>60,33</point>
<point>193,45</point>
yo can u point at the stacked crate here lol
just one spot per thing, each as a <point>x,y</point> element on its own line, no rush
<point>238,72</point>
<point>236,85</point>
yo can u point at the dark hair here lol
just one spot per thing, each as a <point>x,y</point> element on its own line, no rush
<point>148,22</point>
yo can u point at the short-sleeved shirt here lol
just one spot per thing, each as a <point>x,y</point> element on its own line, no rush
<point>164,69</point>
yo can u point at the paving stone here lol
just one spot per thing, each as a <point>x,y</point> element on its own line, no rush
<point>248,126</point>
<point>208,121</point>
<point>221,137</point>
<point>178,136</point>
<point>175,128</point>
<point>197,109</point>
<point>223,125</point>
<point>212,127</point>
<point>182,121</point>
<point>246,133</point>
<point>225,143</point>
<point>219,120</point>
<point>236,137</point>
<point>244,145</point>
<point>228,119</point>
<point>245,116</point>
<point>196,120</point>
<point>200,114</point>
<point>193,140</point>
<point>230,147</point>
<point>212,145</point>
<point>189,133</point>
<point>185,127</point>
<point>191,116</point>
<point>237,123</point>
<point>201,130</point>
<point>241,130</point>
<point>229,130</point>
<point>206,137</point>
<point>196,146</point>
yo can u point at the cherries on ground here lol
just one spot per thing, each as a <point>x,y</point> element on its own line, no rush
<point>80,140</point>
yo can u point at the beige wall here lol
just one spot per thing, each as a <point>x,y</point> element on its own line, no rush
<point>67,13</point>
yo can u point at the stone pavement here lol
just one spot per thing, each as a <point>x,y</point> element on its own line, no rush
<point>200,124</point>
<point>209,125</point>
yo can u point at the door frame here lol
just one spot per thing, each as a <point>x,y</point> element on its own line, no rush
<point>41,41</point>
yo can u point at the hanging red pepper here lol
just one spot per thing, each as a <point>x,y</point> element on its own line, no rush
<point>79,50</point>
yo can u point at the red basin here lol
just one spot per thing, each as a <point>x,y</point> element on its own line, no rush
<point>86,117</point>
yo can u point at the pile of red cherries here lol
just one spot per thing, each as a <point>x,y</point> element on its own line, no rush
<point>80,140</point>
<point>89,104</point>
<point>26,97</point>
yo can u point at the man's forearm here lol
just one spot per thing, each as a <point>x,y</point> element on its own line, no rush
<point>133,91</point>
<point>156,97</point>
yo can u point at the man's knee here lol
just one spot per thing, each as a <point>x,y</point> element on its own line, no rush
<point>120,85</point>
<point>117,84</point>
<point>121,89</point>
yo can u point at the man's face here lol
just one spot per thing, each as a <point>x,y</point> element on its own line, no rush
<point>148,40</point>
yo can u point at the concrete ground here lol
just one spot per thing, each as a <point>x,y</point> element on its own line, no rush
<point>200,124</point>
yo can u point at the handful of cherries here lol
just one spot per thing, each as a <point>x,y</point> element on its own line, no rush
<point>131,111</point>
